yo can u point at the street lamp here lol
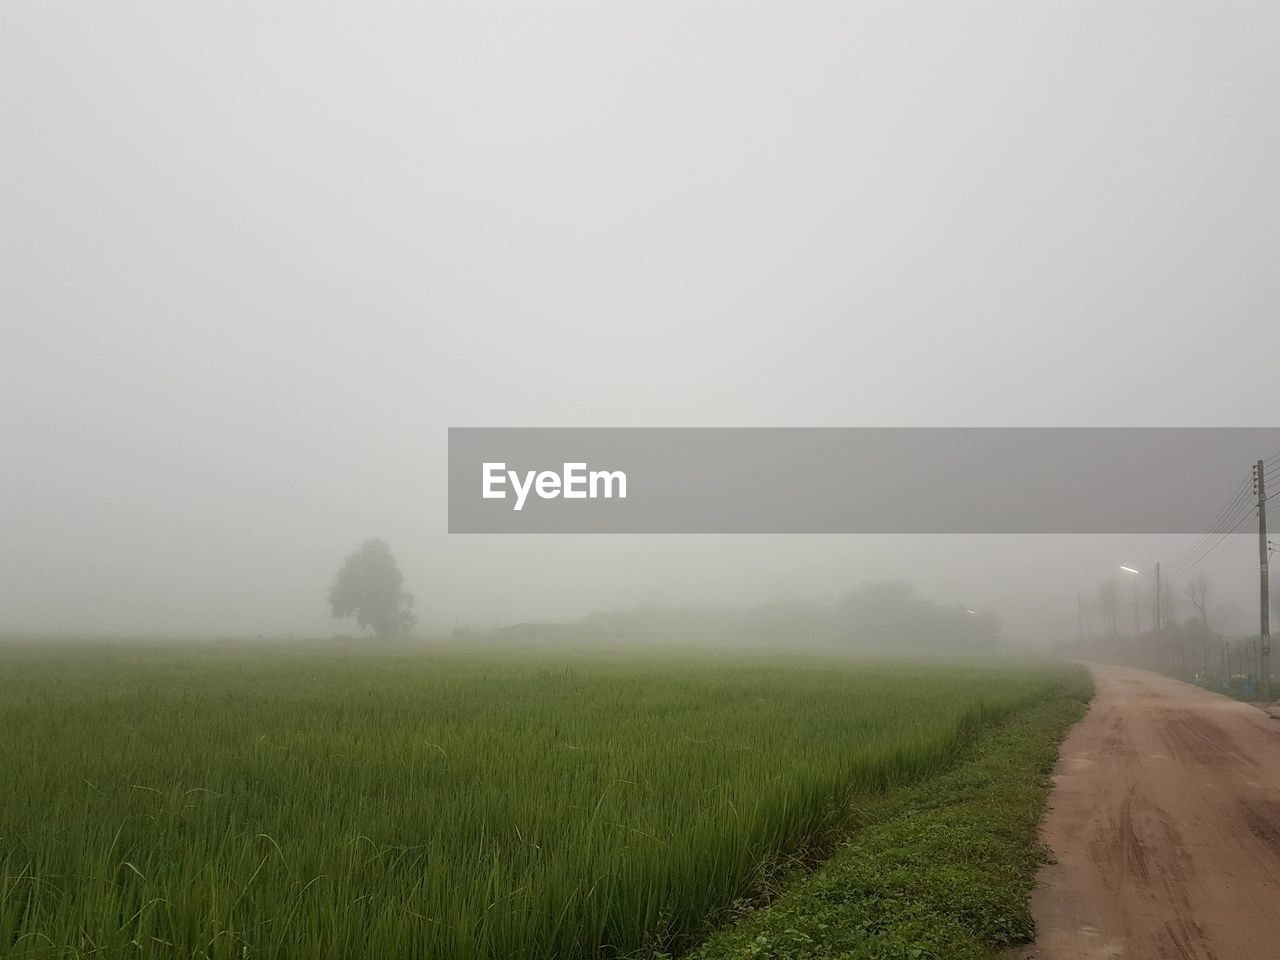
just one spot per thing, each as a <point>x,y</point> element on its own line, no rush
<point>1156,578</point>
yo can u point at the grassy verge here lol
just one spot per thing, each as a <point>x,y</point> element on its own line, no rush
<point>937,871</point>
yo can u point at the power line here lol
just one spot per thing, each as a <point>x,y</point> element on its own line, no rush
<point>1209,543</point>
<point>1209,546</point>
<point>1224,519</point>
<point>1227,517</point>
<point>1212,546</point>
<point>1216,548</point>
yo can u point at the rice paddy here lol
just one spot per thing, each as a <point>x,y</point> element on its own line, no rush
<point>304,801</point>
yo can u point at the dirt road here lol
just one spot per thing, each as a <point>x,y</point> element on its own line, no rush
<point>1165,821</point>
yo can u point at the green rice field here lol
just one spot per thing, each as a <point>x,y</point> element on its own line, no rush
<point>307,801</point>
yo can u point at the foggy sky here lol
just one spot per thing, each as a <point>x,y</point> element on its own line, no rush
<point>257,257</point>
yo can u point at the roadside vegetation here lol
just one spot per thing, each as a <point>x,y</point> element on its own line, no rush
<point>227,801</point>
<point>940,870</point>
<point>1190,643</point>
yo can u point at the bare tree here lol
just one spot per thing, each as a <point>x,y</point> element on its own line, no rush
<point>1168,601</point>
<point>1199,590</point>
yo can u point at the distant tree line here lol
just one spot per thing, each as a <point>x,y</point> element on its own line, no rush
<point>878,618</point>
<point>885,618</point>
<point>1119,627</point>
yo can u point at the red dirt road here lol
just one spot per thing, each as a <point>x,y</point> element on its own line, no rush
<point>1165,822</point>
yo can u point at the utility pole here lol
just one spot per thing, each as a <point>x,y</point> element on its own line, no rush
<point>1079,616</point>
<point>1137,622</point>
<point>1264,634</point>
<point>1158,620</point>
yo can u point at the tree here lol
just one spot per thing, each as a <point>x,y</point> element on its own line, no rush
<point>892,617</point>
<point>1168,601</point>
<point>1198,592</point>
<point>370,588</point>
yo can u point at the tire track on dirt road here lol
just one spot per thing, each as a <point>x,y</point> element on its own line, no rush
<point>1165,824</point>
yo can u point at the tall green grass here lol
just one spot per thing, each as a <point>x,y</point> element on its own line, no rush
<point>233,802</point>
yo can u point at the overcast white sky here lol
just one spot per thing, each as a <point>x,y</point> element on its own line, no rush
<point>257,257</point>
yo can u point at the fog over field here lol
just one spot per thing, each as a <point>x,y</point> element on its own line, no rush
<point>256,259</point>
